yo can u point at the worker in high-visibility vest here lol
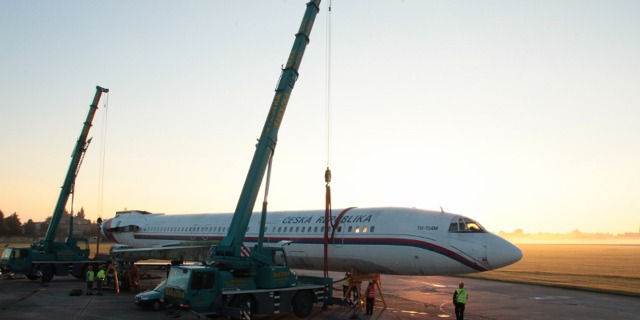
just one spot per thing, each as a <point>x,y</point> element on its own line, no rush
<point>346,282</point>
<point>100,279</point>
<point>460,297</point>
<point>370,293</point>
<point>89,278</point>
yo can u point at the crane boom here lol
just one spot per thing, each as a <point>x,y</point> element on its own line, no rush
<point>72,173</point>
<point>230,245</point>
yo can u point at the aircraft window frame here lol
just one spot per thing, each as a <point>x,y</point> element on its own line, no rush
<point>357,229</point>
<point>373,228</point>
<point>364,229</point>
<point>465,225</point>
<point>350,228</point>
<point>315,229</point>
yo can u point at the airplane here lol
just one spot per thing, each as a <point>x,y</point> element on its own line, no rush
<point>386,240</point>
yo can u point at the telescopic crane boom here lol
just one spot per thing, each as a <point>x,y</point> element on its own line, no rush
<point>228,252</point>
<point>72,172</point>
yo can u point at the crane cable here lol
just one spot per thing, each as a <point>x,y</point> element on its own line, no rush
<point>327,173</point>
<point>103,148</point>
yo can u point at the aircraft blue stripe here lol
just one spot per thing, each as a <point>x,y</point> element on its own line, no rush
<point>347,241</point>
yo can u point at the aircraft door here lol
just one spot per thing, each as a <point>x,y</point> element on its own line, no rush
<point>338,236</point>
<point>206,232</point>
<point>470,240</point>
<point>193,232</point>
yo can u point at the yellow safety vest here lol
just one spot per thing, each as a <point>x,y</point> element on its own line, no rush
<point>90,275</point>
<point>345,282</point>
<point>100,275</point>
<point>461,297</point>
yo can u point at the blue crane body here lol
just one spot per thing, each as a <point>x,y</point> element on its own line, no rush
<point>48,257</point>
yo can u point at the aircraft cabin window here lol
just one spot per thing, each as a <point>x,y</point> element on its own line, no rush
<point>373,228</point>
<point>350,227</point>
<point>364,229</point>
<point>340,229</point>
<point>357,229</point>
<point>315,229</point>
<point>279,229</point>
<point>297,228</point>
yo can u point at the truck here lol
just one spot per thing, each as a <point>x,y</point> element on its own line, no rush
<point>48,257</point>
<point>236,285</point>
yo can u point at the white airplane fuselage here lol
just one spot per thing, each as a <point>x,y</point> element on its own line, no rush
<point>399,241</point>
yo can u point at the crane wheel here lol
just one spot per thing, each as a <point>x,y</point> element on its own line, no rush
<point>47,272</point>
<point>243,302</point>
<point>303,303</point>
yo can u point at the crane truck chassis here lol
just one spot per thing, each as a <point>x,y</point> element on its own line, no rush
<point>212,291</point>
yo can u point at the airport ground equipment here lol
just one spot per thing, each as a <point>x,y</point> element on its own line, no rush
<point>236,285</point>
<point>49,257</point>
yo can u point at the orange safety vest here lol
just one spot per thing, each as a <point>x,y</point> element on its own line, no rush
<point>371,292</point>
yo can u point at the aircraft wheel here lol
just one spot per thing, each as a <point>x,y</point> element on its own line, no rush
<point>303,303</point>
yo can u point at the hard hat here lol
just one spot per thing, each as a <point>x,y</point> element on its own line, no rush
<point>461,284</point>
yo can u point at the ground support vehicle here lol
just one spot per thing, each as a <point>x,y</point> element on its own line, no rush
<point>152,299</point>
<point>47,258</point>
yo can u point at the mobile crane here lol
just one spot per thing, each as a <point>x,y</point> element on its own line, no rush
<point>47,257</point>
<point>235,285</point>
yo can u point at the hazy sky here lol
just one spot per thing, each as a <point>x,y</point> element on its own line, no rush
<point>519,114</point>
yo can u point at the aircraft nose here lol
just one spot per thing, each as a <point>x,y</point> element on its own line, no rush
<point>104,229</point>
<point>501,253</point>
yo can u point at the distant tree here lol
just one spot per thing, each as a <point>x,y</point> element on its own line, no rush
<point>13,225</point>
<point>3,228</point>
<point>80,214</point>
<point>29,228</point>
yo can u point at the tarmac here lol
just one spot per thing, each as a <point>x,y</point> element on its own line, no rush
<point>405,297</point>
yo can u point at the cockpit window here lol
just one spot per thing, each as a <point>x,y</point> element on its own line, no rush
<point>462,224</point>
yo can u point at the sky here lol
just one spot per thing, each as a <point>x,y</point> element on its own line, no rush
<point>518,114</point>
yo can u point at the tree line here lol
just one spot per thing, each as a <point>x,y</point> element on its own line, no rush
<point>12,225</point>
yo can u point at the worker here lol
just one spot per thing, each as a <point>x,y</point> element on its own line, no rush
<point>460,297</point>
<point>370,293</point>
<point>100,279</point>
<point>89,277</point>
<point>346,282</point>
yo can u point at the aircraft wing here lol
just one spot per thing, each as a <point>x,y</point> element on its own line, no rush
<point>175,252</point>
